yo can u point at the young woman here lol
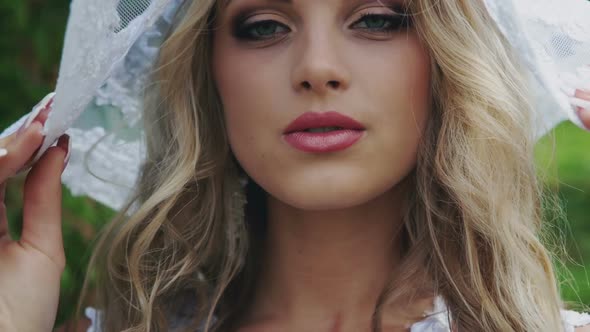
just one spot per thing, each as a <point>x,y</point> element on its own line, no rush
<point>419,195</point>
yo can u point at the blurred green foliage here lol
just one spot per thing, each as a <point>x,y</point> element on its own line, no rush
<point>563,160</point>
<point>30,50</point>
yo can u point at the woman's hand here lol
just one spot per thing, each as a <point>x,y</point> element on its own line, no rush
<point>584,113</point>
<point>30,268</point>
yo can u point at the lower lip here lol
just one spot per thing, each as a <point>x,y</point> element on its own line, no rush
<point>330,141</point>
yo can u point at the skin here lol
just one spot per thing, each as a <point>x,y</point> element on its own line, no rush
<point>333,224</point>
<point>333,218</point>
<point>334,244</point>
<point>30,268</point>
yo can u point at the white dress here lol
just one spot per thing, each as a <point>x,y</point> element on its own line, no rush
<point>435,322</point>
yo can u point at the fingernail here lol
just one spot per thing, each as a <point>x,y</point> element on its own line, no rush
<point>65,139</point>
<point>26,125</point>
<point>44,104</point>
<point>3,152</point>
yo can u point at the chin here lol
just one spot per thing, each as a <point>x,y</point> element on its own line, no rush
<point>321,196</point>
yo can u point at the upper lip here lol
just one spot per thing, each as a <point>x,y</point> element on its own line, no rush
<point>309,120</point>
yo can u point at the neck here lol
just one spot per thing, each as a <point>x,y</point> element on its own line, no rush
<point>330,263</point>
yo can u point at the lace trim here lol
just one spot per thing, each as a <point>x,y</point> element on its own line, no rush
<point>552,39</point>
<point>108,148</point>
<point>97,41</point>
<point>573,319</point>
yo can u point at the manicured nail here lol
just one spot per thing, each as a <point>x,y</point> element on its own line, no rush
<point>65,143</point>
<point>43,105</point>
<point>27,124</point>
<point>3,152</point>
<point>31,117</point>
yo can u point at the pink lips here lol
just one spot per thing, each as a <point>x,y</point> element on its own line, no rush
<point>351,131</point>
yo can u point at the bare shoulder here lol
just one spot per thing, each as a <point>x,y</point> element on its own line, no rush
<point>585,328</point>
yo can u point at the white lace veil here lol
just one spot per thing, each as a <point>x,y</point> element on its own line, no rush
<point>109,48</point>
<point>110,45</point>
<point>553,40</point>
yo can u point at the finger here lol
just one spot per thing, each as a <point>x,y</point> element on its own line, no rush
<point>583,112</point>
<point>20,150</point>
<point>5,141</point>
<point>44,113</point>
<point>39,113</point>
<point>42,204</point>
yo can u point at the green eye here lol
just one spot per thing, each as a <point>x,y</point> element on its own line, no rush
<point>265,28</point>
<point>261,30</point>
<point>383,22</point>
<point>268,29</point>
<point>373,22</point>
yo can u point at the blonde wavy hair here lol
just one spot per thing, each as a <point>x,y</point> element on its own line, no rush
<point>472,227</point>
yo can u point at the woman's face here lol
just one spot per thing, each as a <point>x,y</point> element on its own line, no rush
<point>274,60</point>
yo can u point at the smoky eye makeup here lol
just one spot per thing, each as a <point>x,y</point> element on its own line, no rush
<point>370,20</point>
<point>242,27</point>
<point>396,19</point>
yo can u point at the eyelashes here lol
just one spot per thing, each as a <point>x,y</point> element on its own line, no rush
<point>370,22</point>
<point>393,22</point>
<point>258,30</point>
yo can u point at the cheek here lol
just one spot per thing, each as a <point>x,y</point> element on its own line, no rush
<point>242,93</point>
<point>408,122</point>
<point>390,86</point>
<point>251,101</point>
<point>398,89</point>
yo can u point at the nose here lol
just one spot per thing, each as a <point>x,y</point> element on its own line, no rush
<point>320,67</point>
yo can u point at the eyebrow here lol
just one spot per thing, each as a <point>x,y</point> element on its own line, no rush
<point>289,2</point>
<point>281,1</point>
<point>228,2</point>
